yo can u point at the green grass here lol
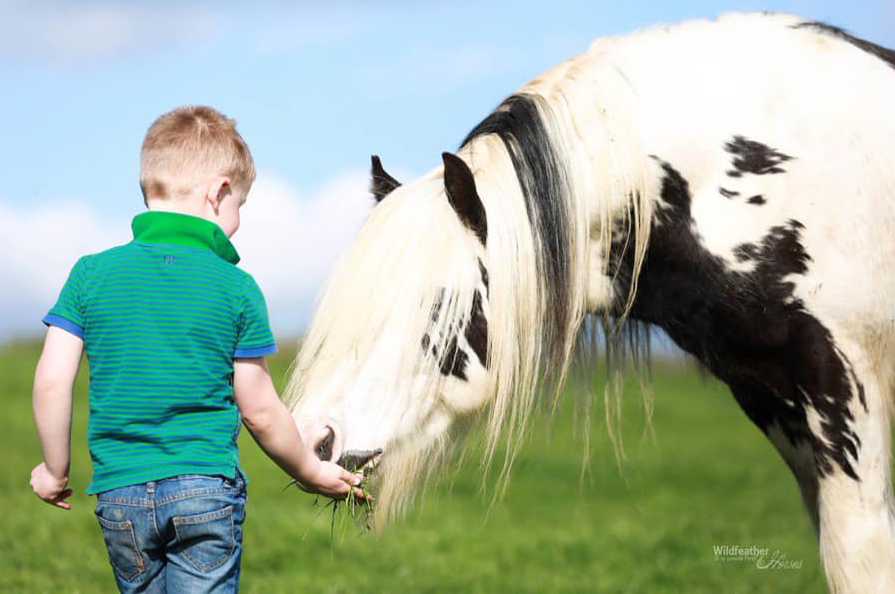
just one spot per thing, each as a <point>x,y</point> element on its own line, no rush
<point>709,479</point>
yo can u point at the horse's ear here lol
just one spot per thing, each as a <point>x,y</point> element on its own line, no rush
<point>459,184</point>
<point>382,183</point>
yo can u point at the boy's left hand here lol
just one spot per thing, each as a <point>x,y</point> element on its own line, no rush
<point>49,488</point>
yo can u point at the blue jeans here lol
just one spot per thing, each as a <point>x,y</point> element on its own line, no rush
<point>179,534</point>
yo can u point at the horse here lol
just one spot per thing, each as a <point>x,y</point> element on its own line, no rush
<point>729,181</point>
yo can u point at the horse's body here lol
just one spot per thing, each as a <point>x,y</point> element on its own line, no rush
<point>731,182</point>
<point>771,260</point>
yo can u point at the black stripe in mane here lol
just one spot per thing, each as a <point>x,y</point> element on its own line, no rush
<point>520,126</point>
<point>884,54</point>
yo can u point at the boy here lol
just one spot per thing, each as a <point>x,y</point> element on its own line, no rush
<point>175,335</point>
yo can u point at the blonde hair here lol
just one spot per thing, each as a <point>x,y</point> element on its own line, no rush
<point>188,144</point>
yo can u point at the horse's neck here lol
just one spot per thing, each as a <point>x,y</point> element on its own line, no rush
<point>592,123</point>
<point>619,113</point>
<point>591,112</point>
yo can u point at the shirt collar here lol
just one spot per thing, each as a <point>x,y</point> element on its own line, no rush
<point>179,229</point>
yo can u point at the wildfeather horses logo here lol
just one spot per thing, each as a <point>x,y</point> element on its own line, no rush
<point>763,557</point>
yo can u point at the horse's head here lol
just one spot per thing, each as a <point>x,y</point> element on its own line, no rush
<point>438,312</point>
<point>397,355</point>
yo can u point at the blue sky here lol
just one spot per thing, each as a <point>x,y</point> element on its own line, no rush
<point>315,90</point>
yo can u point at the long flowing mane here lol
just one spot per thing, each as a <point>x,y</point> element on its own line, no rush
<point>555,154</point>
<point>539,159</point>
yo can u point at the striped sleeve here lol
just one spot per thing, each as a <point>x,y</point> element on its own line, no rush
<point>254,338</point>
<point>68,313</point>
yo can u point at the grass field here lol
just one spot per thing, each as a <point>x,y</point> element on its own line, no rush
<point>709,479</point>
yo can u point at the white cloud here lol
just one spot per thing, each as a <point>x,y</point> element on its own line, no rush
<point>288,244</point>
<point>76,33</point>
<point>66,33</point>
<point>39,247</point>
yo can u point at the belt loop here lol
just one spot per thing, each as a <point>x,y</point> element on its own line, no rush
<point>150,487</point>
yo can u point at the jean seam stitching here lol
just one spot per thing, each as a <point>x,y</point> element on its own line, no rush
<point>153,513</point>
<point>193,493</point>
<point>126,501</point>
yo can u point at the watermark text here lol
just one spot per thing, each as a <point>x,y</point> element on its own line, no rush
<point>763,557</point>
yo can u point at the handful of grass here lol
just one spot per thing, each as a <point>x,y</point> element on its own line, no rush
<point>358,510</point>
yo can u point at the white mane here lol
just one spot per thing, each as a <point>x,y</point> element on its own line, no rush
<point>413,246</point>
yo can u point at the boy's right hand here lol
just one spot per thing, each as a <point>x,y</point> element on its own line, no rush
<point>333,481</point>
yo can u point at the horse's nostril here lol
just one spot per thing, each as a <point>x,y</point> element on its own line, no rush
<point>324,449</point>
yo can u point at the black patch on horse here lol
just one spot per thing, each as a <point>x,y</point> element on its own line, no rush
<point>728,193</point>
<point>884,54</point>
<point>757,199</point>
<point>453,360</point>
<point>484,273</point>
<point>745,251</point>
<point>754,157</point>
<point>519,125</point>
<point>747,328</point>
<point>477,330</point>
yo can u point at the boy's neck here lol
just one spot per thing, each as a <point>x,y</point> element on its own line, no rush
<point>198,207</point>
<point>213,200</point>
<point>195,208</point>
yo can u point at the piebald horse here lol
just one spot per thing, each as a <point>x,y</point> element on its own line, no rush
<point>729,181</point>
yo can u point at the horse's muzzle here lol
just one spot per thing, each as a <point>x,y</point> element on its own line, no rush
<point>356,460</point>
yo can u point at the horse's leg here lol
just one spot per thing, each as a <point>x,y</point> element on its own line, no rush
<point>825,409</point>
<point>786,432</point>
<point>856,520</point>
<point>842,397</point>
<point>799,456</point>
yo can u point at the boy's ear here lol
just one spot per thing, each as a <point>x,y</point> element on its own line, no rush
<point>218,189</point>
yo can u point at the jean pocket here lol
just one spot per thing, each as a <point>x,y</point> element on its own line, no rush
<point>121,543</point>
<point>206,540</point>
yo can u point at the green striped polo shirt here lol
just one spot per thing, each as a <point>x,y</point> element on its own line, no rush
<point>162,319</point>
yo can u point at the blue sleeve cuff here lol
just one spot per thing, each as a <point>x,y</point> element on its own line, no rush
<point>251,353</point>
<point>65,324</point>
